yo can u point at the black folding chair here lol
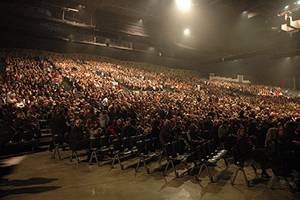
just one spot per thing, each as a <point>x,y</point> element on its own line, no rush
<point>103,148</point>
<point>133,145</point>
<point>142,156</point>
<point>94,143</point>
<point>75,146</point>
<point>117,148</point>
<point>240,161</point>
<point>170,155</point>
<point>44,128</point>
<point>56,144</point>
<point>203,155</point>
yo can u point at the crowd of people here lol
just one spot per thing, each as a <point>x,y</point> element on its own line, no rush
<point>84,97</point>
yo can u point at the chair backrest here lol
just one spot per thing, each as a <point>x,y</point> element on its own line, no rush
<point>133,140</point>
<point>213,145</point>
<point>27,135</point>
<point>43,124</point>
<point>117,144</point>
<point>148,146</point>
<point>180,148</point>
<point>15,137</point>
<point>56,139</point>
<point>207,148</point>
<point>126,143</point>
<point>174,148</point>
<point>155,144</point>
<point>199,154</point>
<point>94,143</point>
<point>110,138</point>
<point>167,149</point>
<point>140,145</point>
<point>140,137</point>
<point>103,141</point>
<point>203,153</point>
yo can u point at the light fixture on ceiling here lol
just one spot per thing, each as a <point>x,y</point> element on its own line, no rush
<point>184,5</point>
<point>186,32</point>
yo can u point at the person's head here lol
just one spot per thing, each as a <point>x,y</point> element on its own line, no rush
<point>77,123</point>
<point>280,130</point>
<point>133,122</point>
<point>272,135</point>
<point>119,122</point>
<point>167,123</point>
<point>95,124</point>
<point>242,131</point>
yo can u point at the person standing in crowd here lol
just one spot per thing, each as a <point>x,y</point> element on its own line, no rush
<point>223,132</point>
<point>103,119</point>
<point>77,139</point>
<point>130,128</point>
<point>165,133</point>
<point>59,125</point>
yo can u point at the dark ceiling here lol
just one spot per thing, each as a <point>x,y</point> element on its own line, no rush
<point>219,28</point>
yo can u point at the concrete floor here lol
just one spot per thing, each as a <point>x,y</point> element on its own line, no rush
<point>40,177</point>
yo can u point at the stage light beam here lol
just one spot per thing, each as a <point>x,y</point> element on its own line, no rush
<point>184,5</point>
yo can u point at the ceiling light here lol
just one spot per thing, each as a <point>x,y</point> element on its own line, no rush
<point>186,32</point>
<point>184,5</point>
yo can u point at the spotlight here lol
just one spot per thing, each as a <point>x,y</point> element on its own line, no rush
<point>298,2</point>
<point>286,7</point>
<point>184,5</point>
<point>186,32</point>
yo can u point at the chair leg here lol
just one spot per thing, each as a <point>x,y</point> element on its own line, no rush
<point>116,158</point>
<point>291,188</point>
<point>166,168</point>
<point>146,166</point>
<point>113,162</point>
<point>199,172</point>
<point>235,175</point>
<point>254,169</point>
<point>245,176</point>
<point>59,155</point>
<point>58,152</point>
<point>76,157</point>
<point>71,158</point>
<point>174,168</point>
<point>160,159</point>
<point>274,179</point>
<point>120,163</point>
<point>91,158</point>
<point>54,153</point>
<point>211,178</point>
<point>226,163</point>
<point>204,166</point>
<point>96,158</point>
<point>137,166</point>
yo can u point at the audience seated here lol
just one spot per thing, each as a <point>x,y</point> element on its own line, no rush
<point>85,97</point>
